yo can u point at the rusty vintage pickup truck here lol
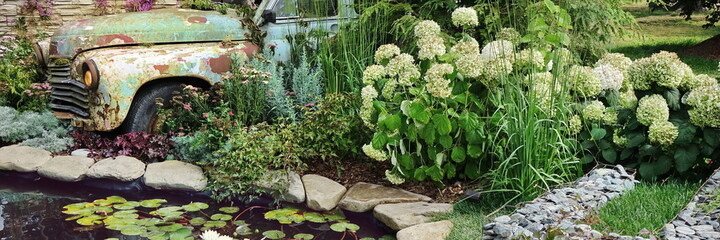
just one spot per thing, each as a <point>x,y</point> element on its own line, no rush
<point>107,72</point>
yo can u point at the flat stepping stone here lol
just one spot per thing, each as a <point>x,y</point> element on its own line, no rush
<point>363,197</point>
<point>22,158</point>
<point>284,185</point>
<point>426,231</point>
<point>323,194</point>
<point>122,168</point>
<point>174,175</point>
<point>402,215</point>
<point>66,168</point>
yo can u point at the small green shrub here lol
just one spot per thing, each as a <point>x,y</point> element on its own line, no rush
<point>246,91</point>
<point>199,147</point>
<point>20,85</point>
<point>306,82</point>
<point>41,130</point>
<point>250,153</point>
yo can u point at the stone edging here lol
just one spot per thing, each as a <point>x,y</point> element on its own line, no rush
<point>693,222</point>
<point>408,213</point>
<point>563,210</point>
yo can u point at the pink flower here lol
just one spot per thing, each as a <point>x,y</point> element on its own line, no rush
<point>181,128</point>
<point>187,107</point>
<point>310,105</point>
<point>205,115</point>
<point>230,113</point>
<point>8,37</point>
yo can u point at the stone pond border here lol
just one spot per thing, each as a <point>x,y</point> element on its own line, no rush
<point>563,210</point>
<point>693,222</point>
<point>408,213</point>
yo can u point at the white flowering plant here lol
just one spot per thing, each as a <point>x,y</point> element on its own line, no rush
<point>652,113</point>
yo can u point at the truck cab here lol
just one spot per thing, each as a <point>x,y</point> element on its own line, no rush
<point>106,72</point>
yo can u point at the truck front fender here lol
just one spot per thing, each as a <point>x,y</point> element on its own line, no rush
<point>124,70</point>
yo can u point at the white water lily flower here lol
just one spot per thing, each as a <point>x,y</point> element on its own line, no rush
<point>213,235</point>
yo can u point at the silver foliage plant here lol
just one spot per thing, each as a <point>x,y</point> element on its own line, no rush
<point>34,129</point>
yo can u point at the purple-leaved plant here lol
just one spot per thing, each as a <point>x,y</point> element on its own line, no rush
<point>139,5</point>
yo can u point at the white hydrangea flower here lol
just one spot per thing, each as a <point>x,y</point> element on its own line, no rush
<point>663,133</point>
<point>427,28</point>
<point>617,60</point>
<point>540,78</point>
<point>498,49</point>
<point>386,51</point>
<point>585,82</point>
<point>705,102</point>
<point>618,140</point>
<point>430,47</point>
<point>651,109</point>
<point>373,73</point>
<point>610,116</point>
<point>509,34</point>
<point>394,178</point>
<point>530,59</point>
<point>628,99</point>
<point>700,80</point>
<point>493,70</point>
<point>611,77</point>
<point>403,67</point>
<point>366,112</point>
<point>465,17</point>
<point>368,94</point>
<point>466,47</point>
<point>437,84</point>
<point>663,68</point>
<point>373,153</point>
<point>575,125</point>
<point>388,90</point>
<point>470,66</point>
<point>594,111</point>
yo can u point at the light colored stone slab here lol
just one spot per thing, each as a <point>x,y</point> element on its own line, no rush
<point>66,168</point>
<point>363,197</point>
<point>286,185</point>
<point>174,175</point>
<point>426,231</point>
<point>402,215</point>
<point>122,168</point>
<point>323,194</point>
<point>22,158</point>
<point>82,152</point>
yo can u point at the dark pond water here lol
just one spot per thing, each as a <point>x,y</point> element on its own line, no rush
<point>30,208</point>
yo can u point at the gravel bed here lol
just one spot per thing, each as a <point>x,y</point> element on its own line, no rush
<point>563,211</point>
<point>697,220</point>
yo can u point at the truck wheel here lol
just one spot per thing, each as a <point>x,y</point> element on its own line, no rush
<point>142,116</point>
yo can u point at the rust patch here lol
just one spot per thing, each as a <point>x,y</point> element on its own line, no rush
<point>197,20</point>
<point>162,68</point>
<point>53,48</point>
<point>180,59</point>
<point>220,64</point>
<point>107,39</point>
<point>250,49</point>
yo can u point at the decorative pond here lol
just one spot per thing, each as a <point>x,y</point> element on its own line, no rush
<point>45,209</point>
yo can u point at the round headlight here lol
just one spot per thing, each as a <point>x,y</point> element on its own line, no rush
<point>90,74</point>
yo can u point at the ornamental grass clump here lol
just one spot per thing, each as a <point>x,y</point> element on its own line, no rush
<point>670,129</point>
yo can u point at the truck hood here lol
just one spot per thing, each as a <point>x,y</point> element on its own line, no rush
<point>150,27</point>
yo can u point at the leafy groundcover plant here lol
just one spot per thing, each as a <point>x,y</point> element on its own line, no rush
<point>40,130</point>
<point>653,114</point>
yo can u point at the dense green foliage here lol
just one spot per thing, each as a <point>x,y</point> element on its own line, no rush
<point>689,7</point>
<point>20,79</point>
<point>648,206</point>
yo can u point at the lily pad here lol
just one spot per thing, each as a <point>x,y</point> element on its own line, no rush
<point>126,214</point>
<point>133,230</point>
<point>229,210</point>
<point>343,226</point>
<point>221,217</point>
<point>274,234</point>
<point>198,221</point>
<point>335,215</point>
<point>285,215</point>
<point>215,224</point>
<point>126,205</point>
<point>90,220</point>
<point>196,206</point>
<point>152,203</point>
<point>169,211</point>
<point>180,234</point>
<point>303,236</point>
<point>315,217</point>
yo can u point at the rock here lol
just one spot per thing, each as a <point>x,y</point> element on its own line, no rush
<point>323,194</point>
<point>702,228</point>
<point>401,215</point>
<point>81,152</point>
<point>502,219</point>
<point>289,182</point>
<point>685,230</point>
<point>363,197</point>
<point>710,235</point>
<point>22,158</point>
<point>66,168</point>
<point>426,231</point>
<point>122,168</point>
<point>174,175</point>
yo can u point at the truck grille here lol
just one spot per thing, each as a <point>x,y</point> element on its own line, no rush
<point>68,95</point>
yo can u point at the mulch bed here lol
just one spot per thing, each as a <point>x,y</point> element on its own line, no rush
<point>374,172</point>
<point>709,49</point>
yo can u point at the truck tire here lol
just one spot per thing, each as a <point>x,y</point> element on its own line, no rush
<point>143,111</point>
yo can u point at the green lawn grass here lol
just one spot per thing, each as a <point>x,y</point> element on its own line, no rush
<point>648,206</point>
<point>469,216</point>
<point>661,30</point>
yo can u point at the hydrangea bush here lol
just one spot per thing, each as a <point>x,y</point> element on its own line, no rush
<point>430,111</point>
<point>653,114</point>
